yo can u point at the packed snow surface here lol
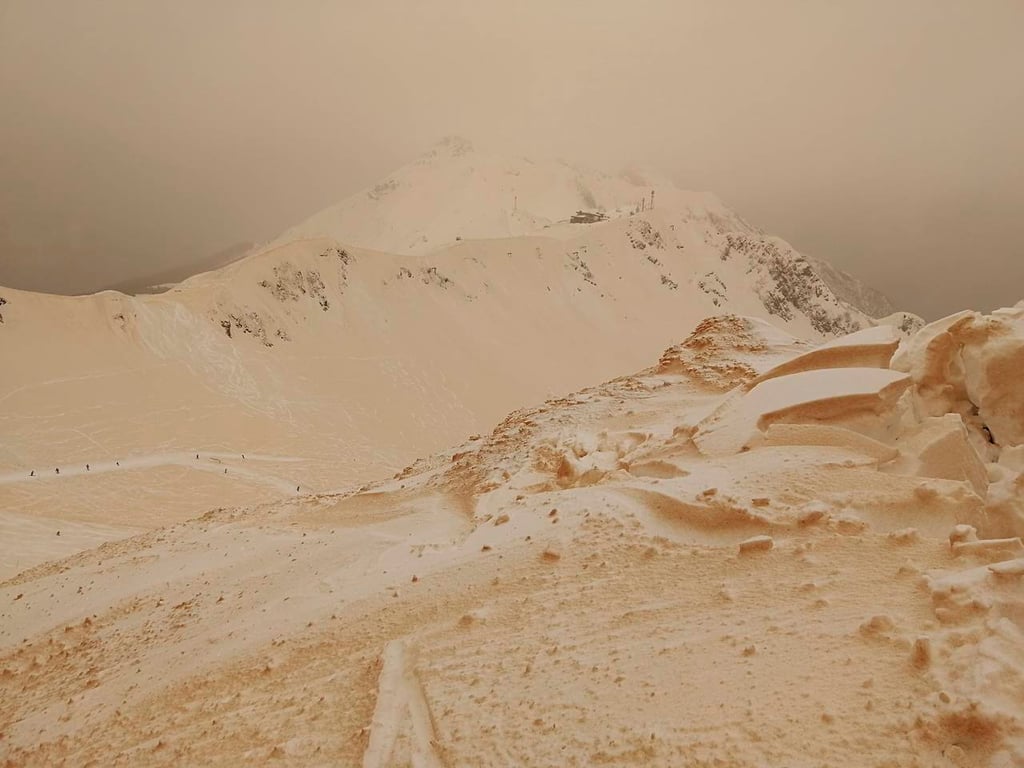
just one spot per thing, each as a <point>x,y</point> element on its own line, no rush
<point>589,583</point>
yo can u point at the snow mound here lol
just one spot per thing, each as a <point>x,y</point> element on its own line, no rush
<point>727,350</point>
<point>861,396</point>
<point>907,323</point>
<point>947,405</point>
<point>869,348</point>
<point>970,364</point>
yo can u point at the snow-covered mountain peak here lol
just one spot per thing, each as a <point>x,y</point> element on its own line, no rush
<point>459,202</point>
<point>457,191</point>
<point>449,146</point>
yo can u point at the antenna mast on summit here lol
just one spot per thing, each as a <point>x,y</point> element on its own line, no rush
<point>652,200</point>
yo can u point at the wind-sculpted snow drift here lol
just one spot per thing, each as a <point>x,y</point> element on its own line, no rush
<point>756,552</point>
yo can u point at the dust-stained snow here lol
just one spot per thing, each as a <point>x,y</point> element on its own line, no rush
<point>331,504</point>
<point>361,359</point>
<point>598,579</point>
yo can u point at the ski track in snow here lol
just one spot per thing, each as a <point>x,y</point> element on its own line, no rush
<point>402,711</point>
<point>207,462</point>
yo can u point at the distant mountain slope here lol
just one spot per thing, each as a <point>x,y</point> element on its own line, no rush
<point>157,282</point>
<point>848,288</point>
<point>457,192</point>
<point>357,361</point>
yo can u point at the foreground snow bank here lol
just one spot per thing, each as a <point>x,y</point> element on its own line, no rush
<point>947,400</point>
<point>755,552</point>
<point>970,364</point>
<point>945,410</point>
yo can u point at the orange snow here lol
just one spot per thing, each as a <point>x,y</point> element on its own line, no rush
<point>584,585</point>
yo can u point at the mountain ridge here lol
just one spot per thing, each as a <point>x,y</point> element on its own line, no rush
<point>358,360</point>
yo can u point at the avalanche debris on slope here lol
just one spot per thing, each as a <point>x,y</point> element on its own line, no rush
<point>582,586</point>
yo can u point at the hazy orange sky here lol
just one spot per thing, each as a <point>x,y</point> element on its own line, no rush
<point>884,136</point>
